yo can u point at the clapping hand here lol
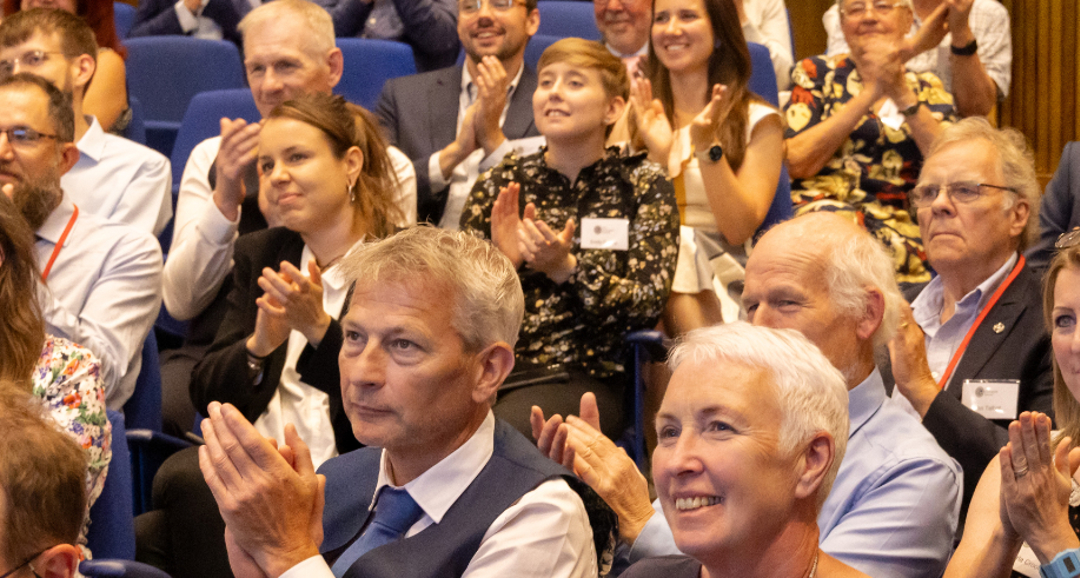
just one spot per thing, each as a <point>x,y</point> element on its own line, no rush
<point>652,123</point>
<point>505,222</point>
<point>296,299</point>
<point>706,125</point>
<point>492,83</point>
<point>545,250</point>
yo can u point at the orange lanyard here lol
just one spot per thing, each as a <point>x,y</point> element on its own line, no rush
<point>978,321</point>
<point>60,243</point>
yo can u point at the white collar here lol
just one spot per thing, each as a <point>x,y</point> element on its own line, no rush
<point>92,143</point>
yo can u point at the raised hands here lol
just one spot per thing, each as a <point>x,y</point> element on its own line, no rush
<point>652,123</point>
<point>239,148</point>
<point>492,83</point>
<point>505,222</point>
<point>1035,486</point>
<point>907,351</point>
<point>291,301</point>
<point>271,499</point>
<point>526,240</point>
<point>706,125</point>
<point>929,35</point>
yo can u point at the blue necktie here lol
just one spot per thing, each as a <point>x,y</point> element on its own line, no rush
<point>395,513</point>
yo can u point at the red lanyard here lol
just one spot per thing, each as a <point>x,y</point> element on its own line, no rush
<point>60,243</point>
<point>978,321</point>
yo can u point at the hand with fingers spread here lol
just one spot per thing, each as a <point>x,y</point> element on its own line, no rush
<point>296,299</point>
<point>492,84</point>
<point>505,222</point>
<point>1036,485</point>
<point>239,148</point>
<point>705,127</point>
<point>271,507</point>
<point>545,250</point>
<point>928,36</point>
<point>907,351</point>
<point>578,444</point>
<point>652,123</point>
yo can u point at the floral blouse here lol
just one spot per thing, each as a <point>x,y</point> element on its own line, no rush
<point>583,321</point>
<point>870,175</point>
<point>66,379</point>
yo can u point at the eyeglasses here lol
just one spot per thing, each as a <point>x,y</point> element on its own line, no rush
<point>882,8</point>
<point>25,563</point>
<point>24,138</point>
<point>31,59</point>
<point>963,192</point>
<point>473,6</point>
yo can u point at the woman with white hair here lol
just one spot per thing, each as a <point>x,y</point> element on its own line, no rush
<point>750,435</point>
<point>858,126</point>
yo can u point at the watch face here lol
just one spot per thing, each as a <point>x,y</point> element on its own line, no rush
<point>716,153</point>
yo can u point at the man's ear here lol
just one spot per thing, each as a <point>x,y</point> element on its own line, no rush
<point>496,362</point>
<point>336,61</point>
<point>814,464</point>
<point>82,70</point>
<point>60,561</point>
<point>873,315</point>
<point>1018,216</point>
<point>532,22</point>
<point>69,155</point>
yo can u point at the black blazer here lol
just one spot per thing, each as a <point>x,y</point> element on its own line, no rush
<point>420,113</point>
<point>1020,351</point>
<point>223,375</point>
<point>158,18</point>
<point>1060,210</point>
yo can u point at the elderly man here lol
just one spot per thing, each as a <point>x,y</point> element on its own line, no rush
<point>893,509</point>
<point>429,339</point>
<point>101,279</point>
<point>288,50</point>
<point>973,351</point>
<point>114,178</point>
<point>751,433</point>
<point>966,43</point>
<point>625,26</point>
<point>489,101</point>
<point>42,491</point>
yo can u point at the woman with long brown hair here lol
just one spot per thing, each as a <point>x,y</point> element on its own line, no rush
<point>723,147</point>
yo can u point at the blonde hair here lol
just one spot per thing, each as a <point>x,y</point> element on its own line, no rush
<point>592,55</point>
<point>315,18</point>
<point>1066,406</point>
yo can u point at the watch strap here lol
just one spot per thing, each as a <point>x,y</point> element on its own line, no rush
<point>971,48</point>
<point>1065,565</point>
<point>912,110</point>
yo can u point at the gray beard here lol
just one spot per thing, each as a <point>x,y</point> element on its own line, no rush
<point>36,201</point>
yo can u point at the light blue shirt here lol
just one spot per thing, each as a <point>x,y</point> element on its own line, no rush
<point>894,506</point>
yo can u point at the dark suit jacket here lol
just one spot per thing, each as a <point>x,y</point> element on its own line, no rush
<point>430,27</point>
<point>223,375</point>
<point>420,116</point>
<point>1060,209</point>
<point>1020,351</point>
<point>158,18</point>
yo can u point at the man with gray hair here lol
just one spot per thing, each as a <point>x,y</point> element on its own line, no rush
<point>443,488</point>
<point>893,509</point>
<point>973,351</point>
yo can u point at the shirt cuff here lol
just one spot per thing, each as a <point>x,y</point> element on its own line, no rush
<point>435,177</point>
<point>655,538</point>
<point>189,22</point>
<point>314,567</point>
<point>215,227</point>
<point>496,155</point>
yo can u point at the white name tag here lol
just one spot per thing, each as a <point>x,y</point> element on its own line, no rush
<point>610,234</point>
<point>992,398</point>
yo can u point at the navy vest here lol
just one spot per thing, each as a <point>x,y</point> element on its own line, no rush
<point>445,549</point>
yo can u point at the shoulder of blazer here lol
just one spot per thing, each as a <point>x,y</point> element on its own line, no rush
<point>414,84</point>
<point>269,245</point>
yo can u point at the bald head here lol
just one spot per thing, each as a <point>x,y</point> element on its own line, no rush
<point>826,277</point>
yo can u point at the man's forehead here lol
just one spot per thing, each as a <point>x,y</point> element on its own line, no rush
<point>24,105</point>
<point>268,40</point>
<point>49,41</point>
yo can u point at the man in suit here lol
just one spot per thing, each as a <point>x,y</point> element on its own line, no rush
<point>428,339</point>
<point>210,19</point>
<point>428,26</point>
<point>972,351</point>
<point>1060,210</point>
<point>489,100</point>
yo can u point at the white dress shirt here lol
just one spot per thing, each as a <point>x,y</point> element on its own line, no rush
<point>464,175</point>
<point>546,534</point>
<point>195,24</point>
<point>121,180</point>
<point>202,248</point>
<point>295,402</point>
<point>103,292</point>
<point>767,24</point>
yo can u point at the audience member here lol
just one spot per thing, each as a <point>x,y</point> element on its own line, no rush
<point>429,338</point>
<point>209,19</point>
<point>1026,493</point>
<point>106,99</point>
<point>751,433</point>
<point>489,99</point>
<point>894,505</point>
<point>324,166</point>
<point>42,497</point>
<point>1060,211</point>
<point>766,22</point>
<point>101,279</point>
<point>723,147</point>
<point>980,318</point>
<point>584,291</point>
<point>968,46</point>
<point>428,26</point>
<point>289,50</point>
<point>859,126</point>
<point>624,28</point>
<point>61,374</point>
<point>114,178</point>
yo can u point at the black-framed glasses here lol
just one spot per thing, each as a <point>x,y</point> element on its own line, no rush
<point>25,137</point>
<point>473,6</point>
<point>29,59</point>
<point>25,563</point>
<point>962,192</point>
<point>881,7</point>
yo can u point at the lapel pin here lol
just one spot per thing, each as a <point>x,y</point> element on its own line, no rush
<point>999,327</point>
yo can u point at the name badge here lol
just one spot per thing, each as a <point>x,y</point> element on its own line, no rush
<point>991,398</point>
<point>610,234</point>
